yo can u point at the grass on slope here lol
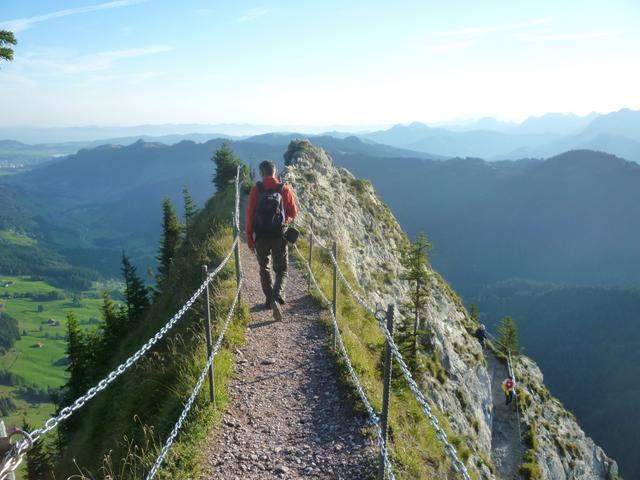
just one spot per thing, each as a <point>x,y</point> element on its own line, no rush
<point>123,429</point>
<point>415,451</point>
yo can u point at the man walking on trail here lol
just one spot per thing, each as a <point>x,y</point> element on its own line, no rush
<point>509,386</point>
<point>271,208</point>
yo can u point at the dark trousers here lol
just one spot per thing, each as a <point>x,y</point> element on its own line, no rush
<point>272,249</point>
<point>508,397</point>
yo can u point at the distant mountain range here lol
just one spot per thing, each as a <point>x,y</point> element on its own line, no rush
<point>617,133</point>
<point>92,204</point>
<point>572,218</point>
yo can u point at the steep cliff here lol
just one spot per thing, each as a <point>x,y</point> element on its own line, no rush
<point>461,381</point>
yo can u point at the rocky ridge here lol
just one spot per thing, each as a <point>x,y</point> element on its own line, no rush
<point>347,210</point>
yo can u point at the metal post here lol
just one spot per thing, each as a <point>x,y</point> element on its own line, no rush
<point>384,420</point>
<point>310,250</point>
<point>236,254</point>
<point>3,433</point>
<point>212,385</point>
<point>334,306</point>
<point>515,395</point>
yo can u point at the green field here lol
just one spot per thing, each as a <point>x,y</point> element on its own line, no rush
<point>7,236</point>
<point>38,357</point>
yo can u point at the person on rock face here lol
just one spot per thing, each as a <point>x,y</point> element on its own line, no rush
<point>481,335</point>
<point>509,387</point>
<point>270,209</point>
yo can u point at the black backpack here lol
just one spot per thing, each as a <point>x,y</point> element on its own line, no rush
<point>269,217</point>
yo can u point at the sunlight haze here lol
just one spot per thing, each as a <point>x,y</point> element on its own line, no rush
<point>133,62</point>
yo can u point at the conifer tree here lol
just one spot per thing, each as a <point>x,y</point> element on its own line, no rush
<point>416,273</point>
<point>114,321</point>
<point>7,40</point>
<point>227,162</point>
<point>136,294</point>
<point>508,335</point>
<point>77,361</point>
<point>171,232</point>
<point>39,462</point>
<point>190,210</point>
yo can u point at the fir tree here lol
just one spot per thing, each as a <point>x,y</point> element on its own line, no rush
<point>190,210</point>
<point>77,360</point>
<point>7,40</point>
<point>508,335</point>
<point>114,322</point>
<point>39,462</point>
<point>414,261</point>
<point>136,294</point>
<point>171,232</point>
<point>227,162</point>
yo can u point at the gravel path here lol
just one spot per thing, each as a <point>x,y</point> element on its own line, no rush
<point>506,449</point>
<point>286,418</point>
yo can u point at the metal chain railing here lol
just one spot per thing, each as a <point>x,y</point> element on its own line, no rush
<point>373,416</point>
<point>512,373</point>
<point>66,412</point>
<point>413,386</point>
<point>14,456</point>
<point>203,375</point>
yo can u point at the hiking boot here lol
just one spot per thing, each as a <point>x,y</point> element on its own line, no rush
<point>277,313</point>
<point>279,299</point>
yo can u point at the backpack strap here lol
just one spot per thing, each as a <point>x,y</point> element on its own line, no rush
<point>261,188</point>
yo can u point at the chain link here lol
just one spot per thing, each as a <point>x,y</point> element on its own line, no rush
<point>66,412</point>
<point>373,416</point>
<point>458,465</point>
<point>381,317</point>
<point>176,428</point>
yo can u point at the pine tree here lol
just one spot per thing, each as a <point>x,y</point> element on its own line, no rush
<point>39,462</point>
<point>414,261</point>
<point>136,294</point>
<point>227,162</point>
<point>114,322</point>
<point>7,40</point>
<point>77,361</point>
<point>171,232</point>
<point>508,335</point>
<point>190,210</point>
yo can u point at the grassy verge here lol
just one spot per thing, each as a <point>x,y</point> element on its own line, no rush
<point>415,451</point>
<point>122,430</point>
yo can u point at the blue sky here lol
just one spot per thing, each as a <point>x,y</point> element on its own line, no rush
<point>127,62</point>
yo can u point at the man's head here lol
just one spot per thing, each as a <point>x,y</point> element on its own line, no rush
<point>510,377</point>
<point>267,168</point>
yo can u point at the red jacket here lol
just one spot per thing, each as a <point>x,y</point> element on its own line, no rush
<point>288,203</point>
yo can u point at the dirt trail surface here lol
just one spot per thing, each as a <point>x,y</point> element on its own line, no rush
<point>506,449</point>
<point>286,417</point>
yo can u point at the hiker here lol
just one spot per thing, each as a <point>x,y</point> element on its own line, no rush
<point>271,208</point>
<point>509,387</point>
<point>481,335</point>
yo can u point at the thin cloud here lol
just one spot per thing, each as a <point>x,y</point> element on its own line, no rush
<point>62,63</point>
<point>479,31</point>
<point>567,37</point>
<point>21,24</point>
<point>253,14</point>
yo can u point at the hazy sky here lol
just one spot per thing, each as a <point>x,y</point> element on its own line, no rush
<point>127,62</point>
